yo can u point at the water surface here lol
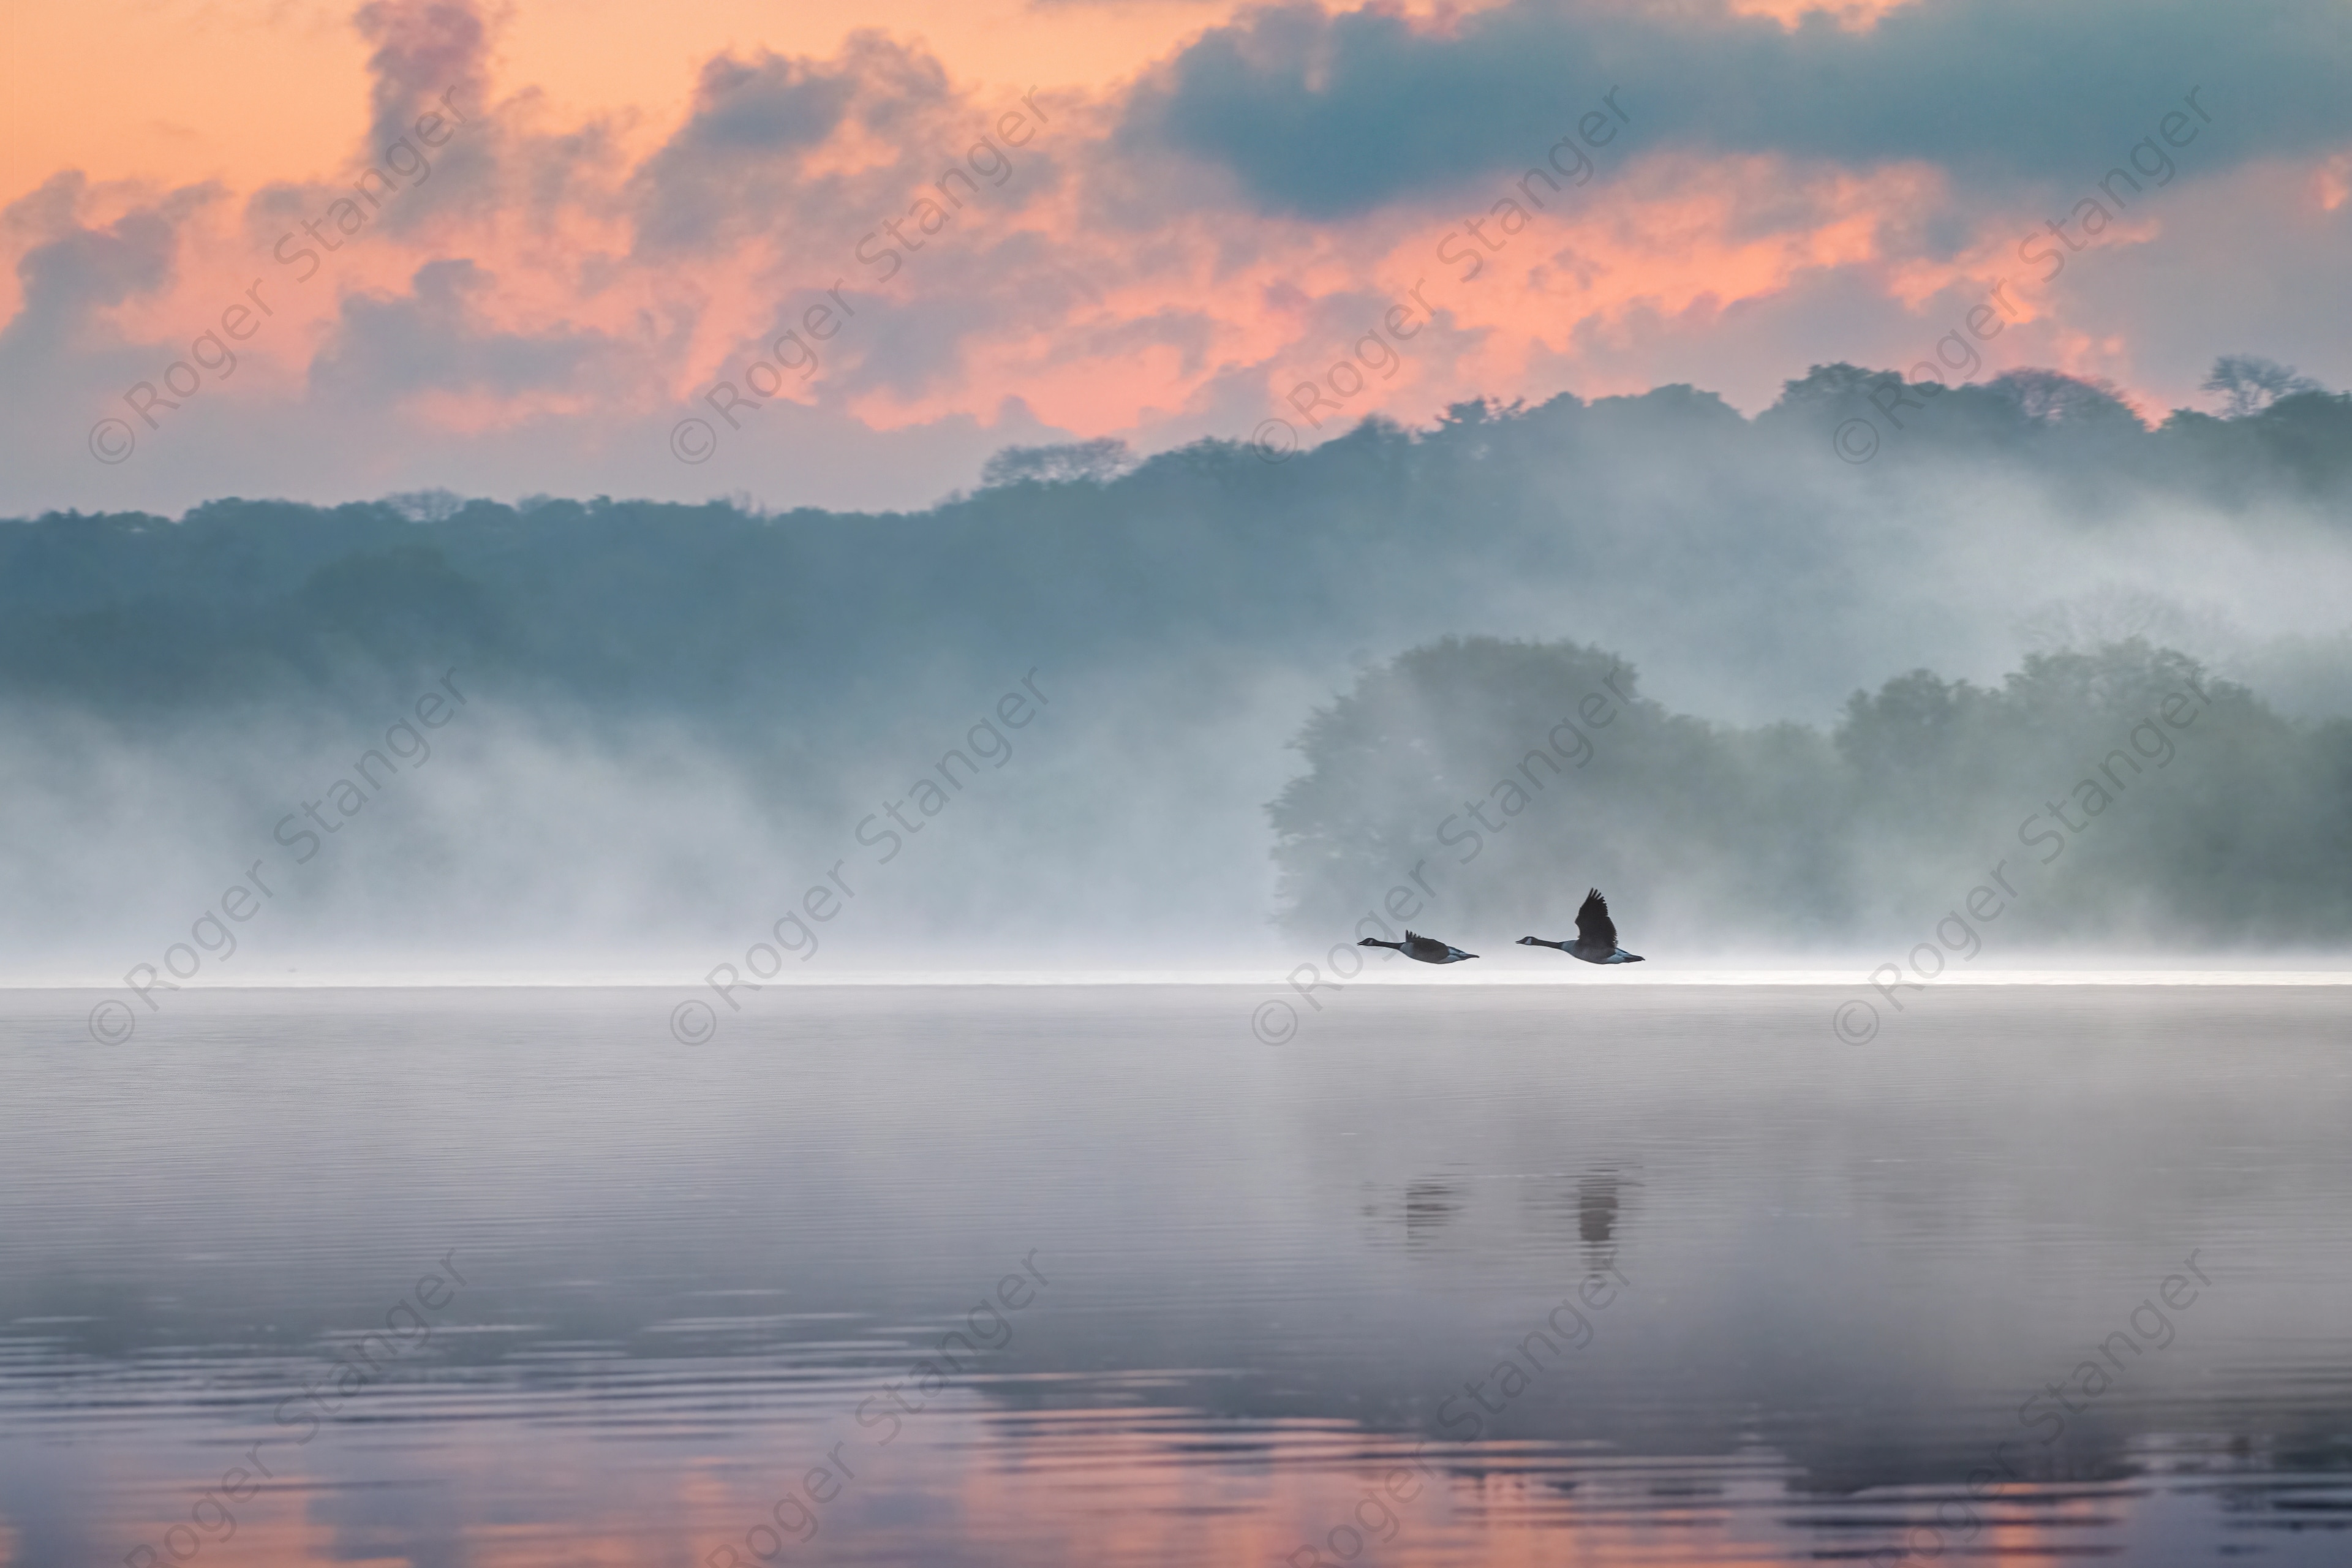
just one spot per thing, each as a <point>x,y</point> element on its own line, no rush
<point>1243,1304</point>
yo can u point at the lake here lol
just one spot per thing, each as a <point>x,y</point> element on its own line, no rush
<point>1089,1275</point>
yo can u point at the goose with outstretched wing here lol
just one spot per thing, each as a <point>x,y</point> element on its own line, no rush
<point>1596,935</point>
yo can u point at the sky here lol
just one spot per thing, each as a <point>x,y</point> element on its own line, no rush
<point>589,225</point>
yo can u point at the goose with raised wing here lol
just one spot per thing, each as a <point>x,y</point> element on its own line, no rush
<point>1596,935</point>
<point>1427,949</point>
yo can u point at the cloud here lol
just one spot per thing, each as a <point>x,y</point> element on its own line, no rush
<point>733,161</point>
<point>772,141</point>
<point>431,59</point>
<point>1325,115</point>
<point>1178,254</point>
<point>73,271</point>
<point>434,340</point>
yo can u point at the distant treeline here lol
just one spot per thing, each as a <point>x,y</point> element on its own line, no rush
<point>713,607</point>
<point>2297,443</point>
<point>2122,795</point>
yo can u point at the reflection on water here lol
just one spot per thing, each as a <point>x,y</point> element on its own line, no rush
<point>1596,1207</point>
<point>1074,1275</point>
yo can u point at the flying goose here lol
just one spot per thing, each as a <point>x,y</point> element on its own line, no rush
<point>1596,935</point>
<point>1427,949</point>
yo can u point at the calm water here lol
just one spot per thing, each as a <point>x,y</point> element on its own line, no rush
<point>1251,1304</point>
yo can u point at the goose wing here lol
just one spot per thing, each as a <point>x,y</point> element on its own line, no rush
<point>1593,926</point>
<point>1420,946</point>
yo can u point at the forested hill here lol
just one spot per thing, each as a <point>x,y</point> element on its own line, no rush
<point>1669,507</point>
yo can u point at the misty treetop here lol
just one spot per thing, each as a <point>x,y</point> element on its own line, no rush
<point>2188,819</point>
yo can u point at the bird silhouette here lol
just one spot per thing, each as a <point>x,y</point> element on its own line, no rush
<point>1596,935</point>
<point>1427,949</point>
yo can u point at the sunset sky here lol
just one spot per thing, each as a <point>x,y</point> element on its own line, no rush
<point>1185,211</point>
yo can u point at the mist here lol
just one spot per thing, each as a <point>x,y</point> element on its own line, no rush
<point>1250,694</point>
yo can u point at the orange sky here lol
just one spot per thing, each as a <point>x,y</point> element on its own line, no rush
<point>1102,291</point>
<point>245,90</point>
